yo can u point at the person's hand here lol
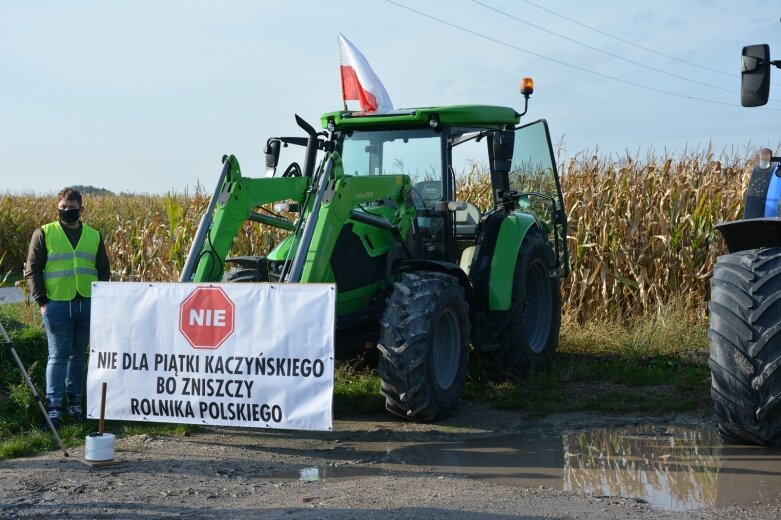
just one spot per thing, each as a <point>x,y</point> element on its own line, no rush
<point>43,308</point>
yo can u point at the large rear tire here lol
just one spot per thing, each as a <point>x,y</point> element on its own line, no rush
<point>745,345</point>
<point>424,346</point>
<point>522,340</point>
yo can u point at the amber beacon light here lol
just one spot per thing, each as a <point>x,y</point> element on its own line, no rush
<point>527,87</point>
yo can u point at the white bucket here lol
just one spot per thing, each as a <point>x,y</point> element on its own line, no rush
<point>99,448</point>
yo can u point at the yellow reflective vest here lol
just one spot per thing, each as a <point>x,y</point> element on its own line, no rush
<point>69,271</point>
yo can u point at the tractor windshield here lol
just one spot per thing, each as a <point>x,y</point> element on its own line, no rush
<point>416,153</point>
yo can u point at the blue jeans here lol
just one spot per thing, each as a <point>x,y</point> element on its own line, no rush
<point>67,328</point>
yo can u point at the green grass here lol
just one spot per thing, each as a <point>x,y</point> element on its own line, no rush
<point>615,385</point>
<point>18,409</point>
<point>22,428</point>
<point>650,385</point>
<point>653,365</point>
<point>36,439</point>
<point>357,390</point>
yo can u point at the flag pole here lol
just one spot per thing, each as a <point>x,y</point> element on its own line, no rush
<point>341,78</point>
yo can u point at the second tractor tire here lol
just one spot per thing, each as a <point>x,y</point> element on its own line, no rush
<point>424,346</point>
<point>745,345</point>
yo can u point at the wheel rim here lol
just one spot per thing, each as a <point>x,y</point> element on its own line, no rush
<point>539,302</point>
<point>447,346</point>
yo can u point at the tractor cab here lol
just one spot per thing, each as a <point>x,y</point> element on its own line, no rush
<point>437,149</point>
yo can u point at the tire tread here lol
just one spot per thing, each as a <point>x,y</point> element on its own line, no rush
<point>745,345</point>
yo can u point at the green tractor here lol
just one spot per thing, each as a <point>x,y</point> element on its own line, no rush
<point>420,275</point>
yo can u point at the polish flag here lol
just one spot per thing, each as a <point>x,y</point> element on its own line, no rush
<point>359,82</point>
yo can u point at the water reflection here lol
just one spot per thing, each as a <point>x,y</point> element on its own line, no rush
<point>673,468</point>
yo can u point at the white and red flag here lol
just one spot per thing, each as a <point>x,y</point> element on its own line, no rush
<point>359,82</point>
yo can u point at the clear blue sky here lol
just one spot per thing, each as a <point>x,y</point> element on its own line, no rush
<point>146,96</point>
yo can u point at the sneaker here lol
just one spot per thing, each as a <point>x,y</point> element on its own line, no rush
<point>54,417</point>
<point>75,413</point>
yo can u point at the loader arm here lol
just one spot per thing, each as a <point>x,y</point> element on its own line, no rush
<point>235,202</point>
<point>342,203</point>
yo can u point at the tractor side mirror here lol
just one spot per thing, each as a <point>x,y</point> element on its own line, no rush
<point>755,75</point>
<point>502,147</point>
<point>504,144</point>
<point>272,155</point>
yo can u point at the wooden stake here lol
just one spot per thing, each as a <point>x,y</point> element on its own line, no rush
<point>102,408</point>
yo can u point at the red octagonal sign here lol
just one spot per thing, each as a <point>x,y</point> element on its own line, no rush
<point>206,317</point>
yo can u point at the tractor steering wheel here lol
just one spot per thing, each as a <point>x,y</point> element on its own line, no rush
<point>428,221</point>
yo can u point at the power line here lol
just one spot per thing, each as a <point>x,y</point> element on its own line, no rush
<point>582,69</point>
<point>622,40</point>
<point>616,56</point>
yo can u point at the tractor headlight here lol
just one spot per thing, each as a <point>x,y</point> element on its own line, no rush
<point>765,154</point>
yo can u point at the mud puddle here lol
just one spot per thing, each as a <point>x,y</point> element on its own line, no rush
<point>673,468</point>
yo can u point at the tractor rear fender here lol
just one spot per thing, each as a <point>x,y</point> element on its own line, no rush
<point>751,233</point>
<point>493,267</point>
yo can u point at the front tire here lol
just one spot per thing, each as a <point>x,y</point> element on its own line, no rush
<point>424,346</point>
<point>745,345</point>
<point>523,339</point>
<point>248,269</point>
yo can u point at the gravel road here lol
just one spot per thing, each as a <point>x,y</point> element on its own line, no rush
<point>228,473</point>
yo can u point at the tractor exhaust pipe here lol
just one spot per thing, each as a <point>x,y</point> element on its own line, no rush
<point>311,146</point>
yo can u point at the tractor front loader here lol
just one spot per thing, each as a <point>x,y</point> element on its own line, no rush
<point>420,275</point>
<point>745,307</point>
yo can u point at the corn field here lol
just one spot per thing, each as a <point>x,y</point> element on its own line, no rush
<point>641,230</point>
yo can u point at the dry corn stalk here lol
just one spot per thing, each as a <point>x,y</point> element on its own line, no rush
<point>641,232</point>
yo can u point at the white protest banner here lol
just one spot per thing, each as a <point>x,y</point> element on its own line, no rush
<point>254,355</point>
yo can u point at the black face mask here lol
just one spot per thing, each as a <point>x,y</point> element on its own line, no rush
<point>69,216</point>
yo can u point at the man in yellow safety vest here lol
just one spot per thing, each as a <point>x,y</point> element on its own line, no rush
<point>64,258</point>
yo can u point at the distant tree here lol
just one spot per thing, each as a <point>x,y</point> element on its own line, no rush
<point>92,190</point>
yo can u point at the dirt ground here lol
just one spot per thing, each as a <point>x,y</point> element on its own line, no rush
<point>229,473</point>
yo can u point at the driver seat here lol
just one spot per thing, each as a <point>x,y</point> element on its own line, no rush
<point>430,191</point>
